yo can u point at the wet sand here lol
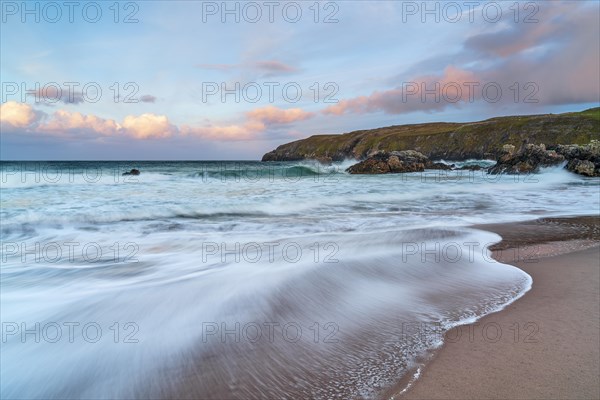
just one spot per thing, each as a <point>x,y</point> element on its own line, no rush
<point>545,345</point>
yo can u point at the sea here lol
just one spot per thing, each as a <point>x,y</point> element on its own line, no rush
<point>244,279</point>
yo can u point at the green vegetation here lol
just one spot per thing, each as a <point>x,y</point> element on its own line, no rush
<point>591,113</point>
<point>452,141</point>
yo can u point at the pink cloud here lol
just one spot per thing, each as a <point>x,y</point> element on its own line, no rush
<point>18,115</point>
<point>552,62</point>
<point>274,115</point>
<point>65,123</point>
<point>244,131</point>
<point>148,126</point>
<point>555,21</point>
<point>62,121</point>
<point>253,127</point>
<point>424,93</point>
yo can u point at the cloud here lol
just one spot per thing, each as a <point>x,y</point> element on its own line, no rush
<point>560,55</point>
<point>538,25</point>
<point>274,67</point>
<point>62,122</point>
<point>267,68</point>
<point>148,98</point>
<point>23,118</point>
<point>256,123</point>
<point>53,93</point>
<point>426,93</point>
<point>148,126</point>
<point>18,115</point>
<point>552,62</point>
<point>274,115</point>
<point>244,131</point>
<point>65,123</point>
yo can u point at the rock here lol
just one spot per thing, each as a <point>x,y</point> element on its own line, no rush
<point>410,167</point>
<point>132,172</point>
<point>470,168</point>
<point>411,156</point>
<point>583,167</point>
<point>508,152</point>
<point>370,166</point>
<point>394,163</point>
<point>381,162</point>
<point>583,160</point>
<point>438,165</point>
<point>528,159</point>
<point>589,152</point>
<point>508,149</point>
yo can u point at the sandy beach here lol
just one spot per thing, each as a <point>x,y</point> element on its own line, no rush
<point>546,344</point>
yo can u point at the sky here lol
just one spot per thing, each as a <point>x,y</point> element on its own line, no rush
<point>202,80</point>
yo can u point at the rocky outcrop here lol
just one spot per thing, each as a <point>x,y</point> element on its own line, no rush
<point>529,159</point>
<point>395,162</point>
<point>583,160</point>
<point>370,166</point>
<point>132,172</point>
<point>583,167</point>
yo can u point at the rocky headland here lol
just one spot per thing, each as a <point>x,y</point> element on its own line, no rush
<point>520,144</point>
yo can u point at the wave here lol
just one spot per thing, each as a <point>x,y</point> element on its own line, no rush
<point>43,175</point>
<point>269,170</point>
<point>469,163</point>
<point>385,287</point>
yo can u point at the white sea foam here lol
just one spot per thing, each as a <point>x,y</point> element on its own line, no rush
<point>170,263</point>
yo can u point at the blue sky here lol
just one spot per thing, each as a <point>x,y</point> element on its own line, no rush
<point>375,63</point>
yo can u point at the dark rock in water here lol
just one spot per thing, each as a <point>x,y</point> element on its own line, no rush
<point>132,172</point>
<point>508,150</point>
<point>438,165</point>
<point>588,152</point>
<point>370,166</point>
<point>470,168</point>
<point>411,156</point>
<point>583,167</point>
<point>529,159</point>
<point>582,160</point>
<point>395,162</point>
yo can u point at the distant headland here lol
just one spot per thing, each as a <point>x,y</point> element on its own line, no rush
<point>449,141</point>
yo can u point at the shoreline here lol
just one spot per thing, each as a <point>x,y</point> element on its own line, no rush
<point>543,345</point>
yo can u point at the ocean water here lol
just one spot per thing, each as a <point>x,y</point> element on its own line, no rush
<point>249,279</point>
